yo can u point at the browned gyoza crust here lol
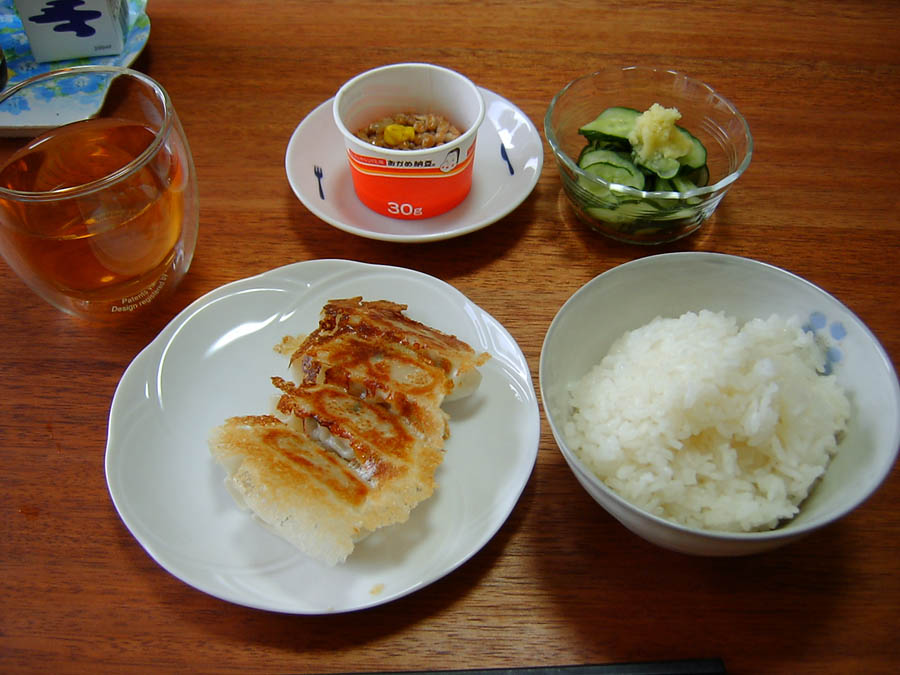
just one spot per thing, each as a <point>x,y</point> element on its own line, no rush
<point>359,435</point>
<point>383,322</point>
<point>309,497</point>
<point>387,452</point>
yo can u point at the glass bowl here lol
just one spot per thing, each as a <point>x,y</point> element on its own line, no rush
<point>634,215</point>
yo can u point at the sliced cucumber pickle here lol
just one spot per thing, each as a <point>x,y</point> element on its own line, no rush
<point>608,155</point>
<point>612,124</point>
<point>696,158</point>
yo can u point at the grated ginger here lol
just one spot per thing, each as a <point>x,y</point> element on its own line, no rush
<point>655,135</point>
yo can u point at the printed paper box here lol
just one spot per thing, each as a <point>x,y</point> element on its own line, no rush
<point>70,29</point>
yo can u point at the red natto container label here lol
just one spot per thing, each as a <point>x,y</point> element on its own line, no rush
<point>416,187</point>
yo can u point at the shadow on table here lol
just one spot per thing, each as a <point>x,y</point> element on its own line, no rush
<point>444,259</point>
<point>625,597</point>
<point>326,633</point>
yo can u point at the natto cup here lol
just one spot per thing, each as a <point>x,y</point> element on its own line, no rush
<point>410,184</point>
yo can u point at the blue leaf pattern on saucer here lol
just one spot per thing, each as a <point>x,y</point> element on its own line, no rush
<point>505,156</point>
<point>87,92</point>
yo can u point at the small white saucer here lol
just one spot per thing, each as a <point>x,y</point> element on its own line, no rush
<point>498,185</point>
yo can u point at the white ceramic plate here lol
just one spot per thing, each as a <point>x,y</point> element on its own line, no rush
<point>214,361</point>
<point>498,186</point>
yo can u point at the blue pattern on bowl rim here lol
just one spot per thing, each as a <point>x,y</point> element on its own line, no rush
<point>829,337</point>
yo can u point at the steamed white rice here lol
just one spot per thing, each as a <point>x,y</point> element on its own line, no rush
<point>709,423</point>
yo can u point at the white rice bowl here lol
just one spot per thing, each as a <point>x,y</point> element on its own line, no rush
<point>631,295</point>
<point>709,423</point>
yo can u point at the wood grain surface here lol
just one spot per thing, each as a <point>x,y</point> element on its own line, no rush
<point>562,582</point>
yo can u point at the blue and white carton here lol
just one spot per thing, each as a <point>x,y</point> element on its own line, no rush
<point>71,29</point>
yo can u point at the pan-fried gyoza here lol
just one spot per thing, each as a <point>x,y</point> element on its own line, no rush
<point>355,441</point>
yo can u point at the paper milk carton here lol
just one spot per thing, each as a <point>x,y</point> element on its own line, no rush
<point>70,29</point>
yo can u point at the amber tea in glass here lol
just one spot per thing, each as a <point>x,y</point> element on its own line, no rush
<point>97,215</point>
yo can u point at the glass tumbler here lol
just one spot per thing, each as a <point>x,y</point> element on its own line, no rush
<point>98,195</point>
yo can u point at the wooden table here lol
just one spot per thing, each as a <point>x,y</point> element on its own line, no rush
<point>562,582</point>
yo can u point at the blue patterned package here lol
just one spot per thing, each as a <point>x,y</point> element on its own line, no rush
<point>69,29</point>
<point>53,103</point>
